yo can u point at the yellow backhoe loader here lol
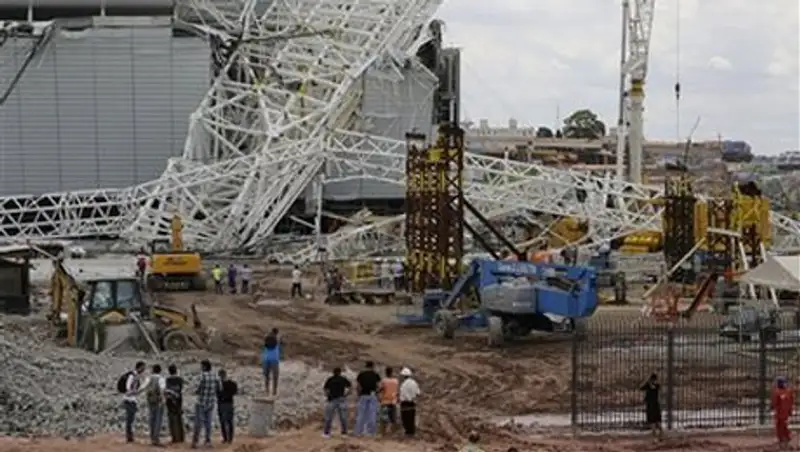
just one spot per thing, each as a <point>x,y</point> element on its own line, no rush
<point>171,266</point>
<point>102,308</point>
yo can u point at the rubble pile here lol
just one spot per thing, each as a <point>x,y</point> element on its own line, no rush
<point>46,390</point>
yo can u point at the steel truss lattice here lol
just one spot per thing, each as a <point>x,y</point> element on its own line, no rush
<point>503,188</point>
<point>284,108</point>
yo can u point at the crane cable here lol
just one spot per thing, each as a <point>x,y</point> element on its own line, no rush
<point>678,71</point>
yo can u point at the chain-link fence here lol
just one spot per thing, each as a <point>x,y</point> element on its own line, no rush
<point>706,380</point>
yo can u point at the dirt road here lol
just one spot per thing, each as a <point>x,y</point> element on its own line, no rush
<point>465,383</point>
<point>310,441</point>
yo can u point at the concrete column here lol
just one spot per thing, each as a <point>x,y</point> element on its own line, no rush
<point>261,417</point>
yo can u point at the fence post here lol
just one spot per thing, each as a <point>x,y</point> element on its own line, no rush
<point>573,398</point>
<point>762,380</point>
<point>670,377</point>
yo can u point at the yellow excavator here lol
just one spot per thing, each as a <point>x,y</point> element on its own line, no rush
<point>171,266</point>
<point>100,308</point>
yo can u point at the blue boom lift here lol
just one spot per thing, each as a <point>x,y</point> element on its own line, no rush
<point>519,297</point>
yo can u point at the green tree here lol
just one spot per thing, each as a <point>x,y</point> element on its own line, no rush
<point>584,124</point>
<point>544,132</point>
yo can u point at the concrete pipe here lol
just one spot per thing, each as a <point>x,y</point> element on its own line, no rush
<point>261,417</point>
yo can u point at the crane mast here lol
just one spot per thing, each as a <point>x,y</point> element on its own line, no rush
<point>637,26</point>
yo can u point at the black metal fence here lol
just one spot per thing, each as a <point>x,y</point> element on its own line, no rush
<point>706,380</point>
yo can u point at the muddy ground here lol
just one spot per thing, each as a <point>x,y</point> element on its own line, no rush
<point>307,440</point>
<point>465,384</point>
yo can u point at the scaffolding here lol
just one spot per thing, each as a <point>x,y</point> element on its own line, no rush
<point>720,236</point>
<point>679,225</point>
<point>752,217</point>
<point>434,229</point>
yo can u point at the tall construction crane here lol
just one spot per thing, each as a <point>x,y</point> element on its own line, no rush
<point>637,26</point>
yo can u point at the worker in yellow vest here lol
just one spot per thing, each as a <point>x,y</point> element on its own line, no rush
<point>216,274</point>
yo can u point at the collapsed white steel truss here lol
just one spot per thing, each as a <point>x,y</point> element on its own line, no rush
<point>285,108</point>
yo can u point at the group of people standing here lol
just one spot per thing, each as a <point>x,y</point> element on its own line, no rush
<point>237,277</point>
<point>164,394</point>
<point>378,401</point>
<point>389,275</point>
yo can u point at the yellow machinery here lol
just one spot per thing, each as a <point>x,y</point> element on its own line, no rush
<point>172,267</point>
<point>102,308</point>
<point>642,242</point>
<point>566,231</point>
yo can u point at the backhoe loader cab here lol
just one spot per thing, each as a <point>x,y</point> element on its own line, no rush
<point>104,295</point>
<point>97,308</point>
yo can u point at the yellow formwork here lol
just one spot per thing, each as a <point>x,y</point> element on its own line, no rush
<point>357,271</point>
<point>748,211</point>
<point>434,211</point>
<point>642,242</point>
<point>753,212</point>
<point>701,220</point>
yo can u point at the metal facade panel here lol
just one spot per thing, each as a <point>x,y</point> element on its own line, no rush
<point>393,110</point>
<point>100,108</point>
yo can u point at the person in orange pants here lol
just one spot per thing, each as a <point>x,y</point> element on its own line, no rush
<point>783,406</point>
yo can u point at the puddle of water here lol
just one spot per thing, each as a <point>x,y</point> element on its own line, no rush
<point>634,419</point>
<point>272,303</point>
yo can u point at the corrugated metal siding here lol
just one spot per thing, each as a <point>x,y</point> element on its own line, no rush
<point>102,109</point>
<point>394,109</point>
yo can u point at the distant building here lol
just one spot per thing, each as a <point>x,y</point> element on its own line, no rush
<point>786,161</point>
<point>736,151</point>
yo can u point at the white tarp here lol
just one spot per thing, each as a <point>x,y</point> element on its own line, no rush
<point>777,272</point>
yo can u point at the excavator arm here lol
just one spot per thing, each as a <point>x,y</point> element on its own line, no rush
<point>176,231</point>
<point>66,294</point>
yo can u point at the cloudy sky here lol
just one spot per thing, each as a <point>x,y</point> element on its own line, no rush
<point>531,59</point>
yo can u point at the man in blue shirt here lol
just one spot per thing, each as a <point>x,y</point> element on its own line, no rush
<point>232,271</point>
<point>270,361</point>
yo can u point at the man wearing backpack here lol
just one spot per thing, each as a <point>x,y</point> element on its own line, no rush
<point>155,388</point>
<point>128,384</point>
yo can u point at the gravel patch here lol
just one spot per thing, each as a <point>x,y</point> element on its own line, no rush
<point>47,390</point>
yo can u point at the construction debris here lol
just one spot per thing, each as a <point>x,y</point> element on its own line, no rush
<point>46,390</point>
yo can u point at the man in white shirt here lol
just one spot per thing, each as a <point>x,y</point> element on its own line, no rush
<point>155,387</point>
<point>409,392</point>
<point>247,275</point>
<point>297,285</point>
<point>397,271</point>
<point>386,274</point>
<point>376,272</point>
<point>129,403</point>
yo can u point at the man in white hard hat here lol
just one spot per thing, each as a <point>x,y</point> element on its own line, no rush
<point>408,394</point>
